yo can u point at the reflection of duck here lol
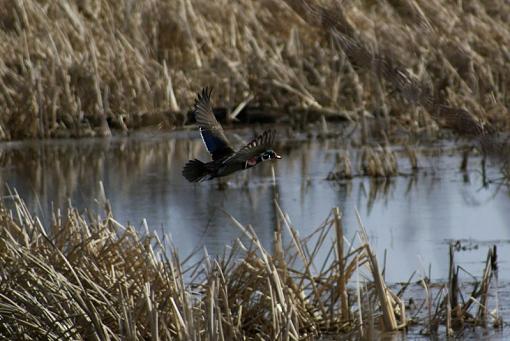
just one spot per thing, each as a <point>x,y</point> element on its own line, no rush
<point>225,160</point>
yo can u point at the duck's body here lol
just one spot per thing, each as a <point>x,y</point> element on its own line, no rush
<point>196,170</point>
<point>225,160</point>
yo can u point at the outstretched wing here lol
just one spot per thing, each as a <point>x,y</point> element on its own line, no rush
<point>256,147</point>
<point>210,129</point>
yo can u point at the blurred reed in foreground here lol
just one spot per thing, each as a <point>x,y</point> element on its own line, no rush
<point>87,277</point>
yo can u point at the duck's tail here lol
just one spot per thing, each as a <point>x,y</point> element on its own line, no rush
<point>195,171</point>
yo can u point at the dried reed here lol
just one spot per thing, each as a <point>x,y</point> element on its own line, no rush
<point>79,68</point>
<point>93,278</point>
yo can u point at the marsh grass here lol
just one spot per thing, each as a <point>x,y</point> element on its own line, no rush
<point>81,68</point>
<point>86,276</point>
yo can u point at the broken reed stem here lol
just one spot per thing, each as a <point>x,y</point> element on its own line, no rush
<point>485,285</point>
<point>449,328</point>
<point>358,295</point>
<point>390,323</point>
<point>341,266</point>
<point>453,287</point>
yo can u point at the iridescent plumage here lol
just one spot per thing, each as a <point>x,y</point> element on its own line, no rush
<point>225,160</point>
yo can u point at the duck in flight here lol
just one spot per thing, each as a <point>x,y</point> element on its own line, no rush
<point>225,160</point>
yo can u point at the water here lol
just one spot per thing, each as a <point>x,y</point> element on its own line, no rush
<point>412,218</point>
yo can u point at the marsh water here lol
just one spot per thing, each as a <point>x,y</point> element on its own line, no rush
<point>411,218</point>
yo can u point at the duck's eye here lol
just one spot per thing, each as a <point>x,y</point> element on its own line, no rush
<point>265,156</point>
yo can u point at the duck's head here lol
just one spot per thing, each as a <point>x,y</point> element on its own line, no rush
<point>266,155</point>
<point>269,155</point>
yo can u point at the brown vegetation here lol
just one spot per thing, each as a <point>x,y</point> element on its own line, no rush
<point>85,277</point>
<point>82,67</point>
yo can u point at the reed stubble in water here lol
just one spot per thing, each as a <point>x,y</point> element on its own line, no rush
<point>89,277</point>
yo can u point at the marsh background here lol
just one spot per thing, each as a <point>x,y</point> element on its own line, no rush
<point>396,109</point>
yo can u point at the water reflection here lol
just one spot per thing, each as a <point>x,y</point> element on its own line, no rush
<point>412,217</point>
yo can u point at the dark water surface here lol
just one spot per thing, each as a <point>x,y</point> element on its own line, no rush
<point>412,217</point>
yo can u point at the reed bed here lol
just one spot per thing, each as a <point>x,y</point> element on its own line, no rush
<point>82,68</point>
<point>86,276</point>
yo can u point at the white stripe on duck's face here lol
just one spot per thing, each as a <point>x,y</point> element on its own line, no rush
<point>270,155</point>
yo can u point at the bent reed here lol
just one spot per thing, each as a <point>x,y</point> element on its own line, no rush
<point>89,277</point>
<point>80,68</point>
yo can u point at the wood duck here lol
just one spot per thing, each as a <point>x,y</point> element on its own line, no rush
<point>225,160</point>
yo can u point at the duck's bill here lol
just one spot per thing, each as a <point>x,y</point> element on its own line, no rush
<point>278,156</point>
